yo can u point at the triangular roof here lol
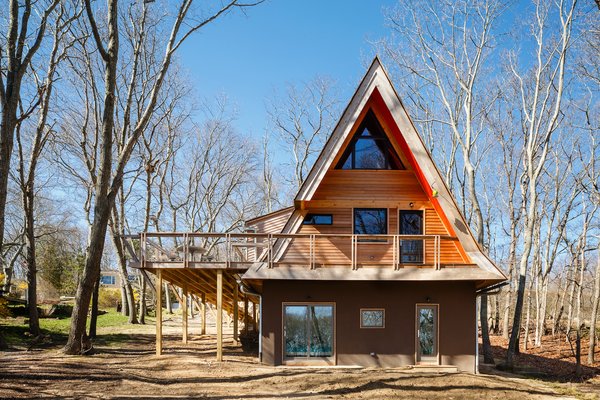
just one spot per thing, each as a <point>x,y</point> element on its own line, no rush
<point>377,86</point>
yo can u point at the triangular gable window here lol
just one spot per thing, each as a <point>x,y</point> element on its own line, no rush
<point>370,148</point>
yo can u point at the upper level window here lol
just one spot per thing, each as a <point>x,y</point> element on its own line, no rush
<point>370,148</point>
<point>318,219</point>
<point>370,221</point>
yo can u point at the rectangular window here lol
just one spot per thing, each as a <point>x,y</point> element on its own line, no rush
<point>372,318</point>
<point>318,219</point>
<point>370,221</point>
<point>107,280</point>
<point>411,223</point>
<point>308,330</point>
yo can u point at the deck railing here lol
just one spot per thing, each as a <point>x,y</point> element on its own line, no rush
<point>240,250</point>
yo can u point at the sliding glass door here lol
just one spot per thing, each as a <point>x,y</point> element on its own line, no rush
<point>308,330</point>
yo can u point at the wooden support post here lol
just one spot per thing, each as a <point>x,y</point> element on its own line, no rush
<point>235,314</point>
<point>191,305</point>
<point>246,315</point>
<point>159,286</point>
<point>255,313</point>
<point>203,311</point>
<point>219,315</point>
<point>184,314</point>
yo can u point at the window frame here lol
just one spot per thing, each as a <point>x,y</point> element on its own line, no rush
<point>296,360</point>
<point>390,154</point>
<point>304,222</point>
<point>423,244</point>
<point>113,280</point>
<point>362,326</point>
<point>387,225</point>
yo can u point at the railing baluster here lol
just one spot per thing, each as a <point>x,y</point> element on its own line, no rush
<point>270,251</point>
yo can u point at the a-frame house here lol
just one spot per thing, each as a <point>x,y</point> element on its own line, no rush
<point>374,264</point>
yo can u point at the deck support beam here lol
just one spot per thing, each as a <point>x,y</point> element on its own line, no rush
<point>184,314</point>
<point>254,316</point>
<point>219,315</point>
<point>246,315</point>
<point>203,312</point>
<point>159,287</point>
<point>235,315</point>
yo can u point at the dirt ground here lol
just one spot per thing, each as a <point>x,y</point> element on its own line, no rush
<point>130,369</point>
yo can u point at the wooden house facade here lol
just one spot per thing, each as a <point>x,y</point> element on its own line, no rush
<point>381,268</point>
<point>373,264</point>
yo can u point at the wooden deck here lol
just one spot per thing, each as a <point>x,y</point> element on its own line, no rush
<point>208,267</point>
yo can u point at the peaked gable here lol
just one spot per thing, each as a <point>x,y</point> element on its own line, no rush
<point>376,92</point>
<point>370,148</point>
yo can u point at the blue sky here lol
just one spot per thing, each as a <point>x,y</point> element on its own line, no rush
<point>249,56</point>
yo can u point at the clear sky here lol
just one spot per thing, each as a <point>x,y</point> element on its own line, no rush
<point>249,56</point>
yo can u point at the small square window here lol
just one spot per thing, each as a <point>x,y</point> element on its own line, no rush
<point>372,318</point>
<point>318,219</point>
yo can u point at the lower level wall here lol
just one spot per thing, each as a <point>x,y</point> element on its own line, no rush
<point>392,346</point>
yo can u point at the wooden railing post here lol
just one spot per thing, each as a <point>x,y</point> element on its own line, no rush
<point>270,251</point>
<point>353,252</point>
<point>228,250</point>
<point>312,251</point>
<point>143,249</point>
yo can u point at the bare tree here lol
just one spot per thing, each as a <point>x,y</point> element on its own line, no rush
<point>446,46</point>
<point>22,42</point>
<point>110,177</point>
<point>28,164</point>
<point>303,118</point>
<point>217,192</point>
<point>540,91</point>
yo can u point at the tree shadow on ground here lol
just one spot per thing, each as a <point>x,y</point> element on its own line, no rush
<point>545,368</point>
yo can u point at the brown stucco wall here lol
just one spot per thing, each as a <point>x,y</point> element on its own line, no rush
<point>393,345</point>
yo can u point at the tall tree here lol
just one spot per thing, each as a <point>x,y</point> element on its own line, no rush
<point>109,176</point>
<point>22,43</point>
<point>447,47</point>
<point>303,118</point>
<point>28,163</point>
<point>539,89</point>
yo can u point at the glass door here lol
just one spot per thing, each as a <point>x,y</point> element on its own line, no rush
<point>427,333</point>
<point>411,223</point>
<point>308,331</point>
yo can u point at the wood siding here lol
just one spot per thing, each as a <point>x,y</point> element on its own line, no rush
<point>271,223</point>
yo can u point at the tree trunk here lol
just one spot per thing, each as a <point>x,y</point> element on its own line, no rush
<point>488,356</point>
<point>34,322</point>
<point>104,197</point>
<point>129,296</point>
<point>123,309</point>
<point>527,317</point>
<point>527,244</point>
<point>559,310</point>
<point>496,328</point>
<point>94,313</point>
<point>142,314</point>
<point>596,303</point>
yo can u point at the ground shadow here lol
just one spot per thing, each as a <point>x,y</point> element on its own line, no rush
<point>545,368</point>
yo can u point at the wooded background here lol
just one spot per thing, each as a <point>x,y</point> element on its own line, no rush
<point>102,134</point>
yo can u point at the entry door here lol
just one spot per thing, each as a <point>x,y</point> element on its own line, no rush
<point>427,333</point>
<point>411,223</point>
